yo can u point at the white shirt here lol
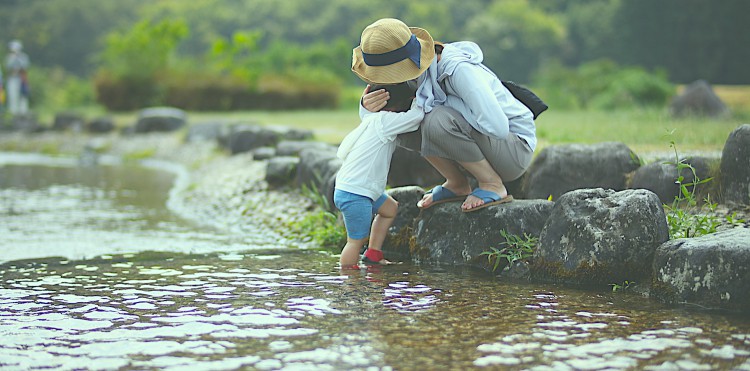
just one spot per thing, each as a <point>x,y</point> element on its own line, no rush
<point>368,149</point>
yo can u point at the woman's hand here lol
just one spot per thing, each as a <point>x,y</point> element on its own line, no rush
<point>376,100</point>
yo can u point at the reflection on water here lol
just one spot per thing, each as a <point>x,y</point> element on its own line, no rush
<point>80,212</point>
<point>216,306</point>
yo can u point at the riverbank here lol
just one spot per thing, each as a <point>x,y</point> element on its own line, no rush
<point>218,190</point>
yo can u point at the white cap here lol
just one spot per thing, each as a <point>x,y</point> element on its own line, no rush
<point>15,46</point>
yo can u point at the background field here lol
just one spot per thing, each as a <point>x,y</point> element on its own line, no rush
<point>648,132</point>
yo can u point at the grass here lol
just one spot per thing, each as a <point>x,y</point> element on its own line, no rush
<point>644,131</point>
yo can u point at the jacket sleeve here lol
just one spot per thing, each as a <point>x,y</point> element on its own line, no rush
<point>474,87</point>
<point>394,123</point>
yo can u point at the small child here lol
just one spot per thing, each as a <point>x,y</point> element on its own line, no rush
<point>360,183</point>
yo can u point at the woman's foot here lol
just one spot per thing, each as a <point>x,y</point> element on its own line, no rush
<point>473,202</point>
<point>442,194</point>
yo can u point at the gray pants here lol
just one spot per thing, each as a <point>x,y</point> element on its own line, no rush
<point>445,133</point>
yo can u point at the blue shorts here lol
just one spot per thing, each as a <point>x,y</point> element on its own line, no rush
<point>358,211</point>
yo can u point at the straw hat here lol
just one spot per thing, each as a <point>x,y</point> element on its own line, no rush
<point>391,52</point>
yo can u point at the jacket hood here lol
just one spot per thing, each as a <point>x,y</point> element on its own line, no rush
<point>455,53</point>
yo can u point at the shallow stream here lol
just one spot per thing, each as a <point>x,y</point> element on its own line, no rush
<point>97,273</point>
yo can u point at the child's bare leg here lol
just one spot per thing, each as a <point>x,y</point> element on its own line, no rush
<point>350,253</point>
<point>383,220</point>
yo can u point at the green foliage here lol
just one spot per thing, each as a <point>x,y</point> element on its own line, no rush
<point>322,226</point>
<point>131,63</point>
<point>516,248</point>
<point>622,287</point>
<point>685,217</point>
<point>235,56</point>
<point>144,50</point>
<point>52,88</point>
<point>138,155</point>
<point>517,35</point>
<point>604,85</point>
<point>518,29</point>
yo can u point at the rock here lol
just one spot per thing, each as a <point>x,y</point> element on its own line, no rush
<point>263,153</point>
<point>599,237</point>
<point>298,134</point>
<point>735,167</point>
<point>563,168</point>
<point>400,234</point>
<point>410,168</point>
<point>160,119</point>
<point>698,99</point>
<point>251,137</point>
<point>100,125</point>
<point>317,171</point>
<point>68,121</point>
<point>711,271</point>
<point>205,131</point>
<point>26,123</point>
<point>660,177</point>
<point>445,235</point>
<point>294,147</point>
<point>280,171</point>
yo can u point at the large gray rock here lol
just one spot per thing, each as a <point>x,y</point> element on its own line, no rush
<point>252,137</point>
<point>292,134</point>
<point>710,271</point>
<point>397,244</point>
<point>698,99</point>
<point>317,171</point>
<point>735,167</point>
<point>443,234</point>
<point>410,168</point>
<point>27,123</point>
<point>563,168</point>
<point>280,171</point>
<point>599,237</point>
<point>101,125</point>
<point>68,121</point>
<point>660,177</point>
<point>160,119</point>
<point>294,147</point>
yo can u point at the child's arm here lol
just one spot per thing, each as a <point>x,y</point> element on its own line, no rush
<point>394,123</point>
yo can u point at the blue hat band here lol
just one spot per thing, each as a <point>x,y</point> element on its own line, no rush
<point>412,50</point>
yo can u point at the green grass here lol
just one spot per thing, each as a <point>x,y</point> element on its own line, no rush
<point>644,131</point>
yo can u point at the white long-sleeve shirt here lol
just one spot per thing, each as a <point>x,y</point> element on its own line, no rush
<point>368,149</point>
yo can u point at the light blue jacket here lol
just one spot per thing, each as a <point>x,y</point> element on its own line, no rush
<point>476,92</point>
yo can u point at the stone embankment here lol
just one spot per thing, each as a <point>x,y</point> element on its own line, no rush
<point>596,212</point>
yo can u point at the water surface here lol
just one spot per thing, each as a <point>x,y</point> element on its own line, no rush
<point>134,286</point>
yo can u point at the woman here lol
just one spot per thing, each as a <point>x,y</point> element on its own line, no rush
<point>471,119</point>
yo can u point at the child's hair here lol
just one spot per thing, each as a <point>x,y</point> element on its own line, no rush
<point>401,95</point>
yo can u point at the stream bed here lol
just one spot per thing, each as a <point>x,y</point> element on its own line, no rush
<point>97,273</point>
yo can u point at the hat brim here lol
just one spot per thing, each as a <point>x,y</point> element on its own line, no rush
<point>400,71</point>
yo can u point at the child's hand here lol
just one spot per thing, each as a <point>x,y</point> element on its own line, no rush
<point>376,100</point>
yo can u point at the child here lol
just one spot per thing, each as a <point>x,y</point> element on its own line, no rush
<point>360,183</point>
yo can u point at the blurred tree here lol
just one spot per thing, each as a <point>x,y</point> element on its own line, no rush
<point>63,33</point>
<point>143,51</point>
<point>692,39</point>
<point>515,37</point>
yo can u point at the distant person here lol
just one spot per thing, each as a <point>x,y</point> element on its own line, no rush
<point>17,85</point>
<point>360,183</point>
<point>2,92</point>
